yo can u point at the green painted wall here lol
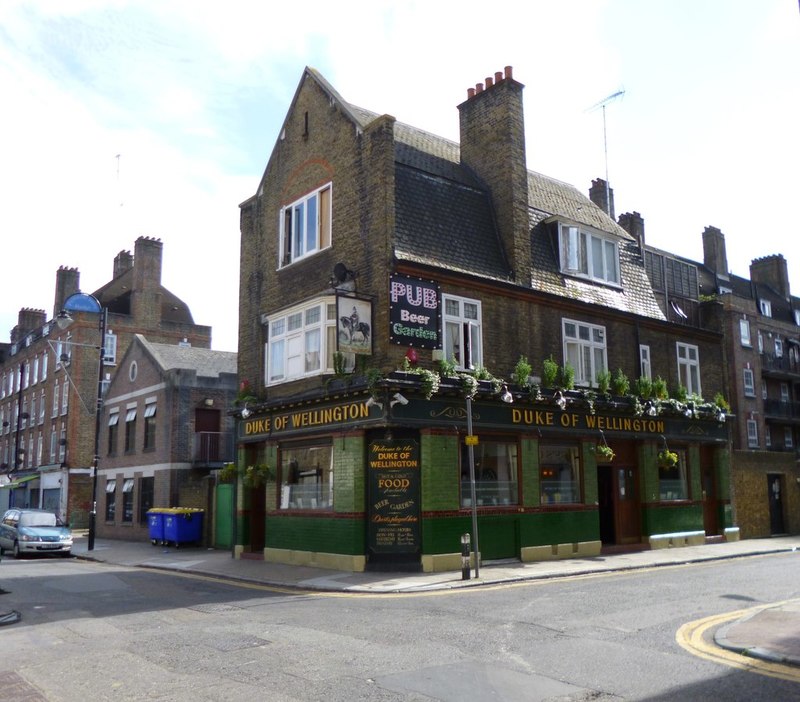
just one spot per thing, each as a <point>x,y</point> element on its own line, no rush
<point>440,473</point>
<point>667,520</point>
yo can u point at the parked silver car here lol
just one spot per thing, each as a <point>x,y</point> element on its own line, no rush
<point>34,531</point>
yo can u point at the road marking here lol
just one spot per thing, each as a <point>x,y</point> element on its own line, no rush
<point>691,637</point>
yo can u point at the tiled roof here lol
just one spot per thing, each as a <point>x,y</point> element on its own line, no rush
<point>208,363</point>
<point>444,218</point>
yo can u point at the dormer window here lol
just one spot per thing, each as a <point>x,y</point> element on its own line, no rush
<point>305,226</point>
<point>588,254</point>
<point>766,307</point>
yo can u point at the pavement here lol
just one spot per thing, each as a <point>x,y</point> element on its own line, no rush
<point>770,632</point>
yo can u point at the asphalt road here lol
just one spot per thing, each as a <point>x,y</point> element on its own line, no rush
<point>92,631</point>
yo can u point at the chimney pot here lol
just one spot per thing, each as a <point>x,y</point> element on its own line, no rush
<point>478,87</point>
<point>498,76</point>
<point>489,82</point>
<point>509,71</point>
<point>470,93</point>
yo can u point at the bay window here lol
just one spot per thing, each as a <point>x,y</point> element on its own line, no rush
<point>301,342</point>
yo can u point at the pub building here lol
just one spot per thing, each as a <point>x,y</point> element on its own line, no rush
<point>436,334</point>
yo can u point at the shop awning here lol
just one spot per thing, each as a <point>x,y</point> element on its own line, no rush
<point>19,482</point>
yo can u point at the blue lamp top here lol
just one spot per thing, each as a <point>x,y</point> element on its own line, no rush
<point>82,302</point>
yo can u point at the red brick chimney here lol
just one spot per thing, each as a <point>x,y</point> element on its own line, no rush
<point>493,148</point>
<point>28,320</point>
<point>773,271</point>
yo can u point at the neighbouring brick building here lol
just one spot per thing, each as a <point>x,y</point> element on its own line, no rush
<point>166,426</point>
<point>393,286</point>
<point>49,379</point>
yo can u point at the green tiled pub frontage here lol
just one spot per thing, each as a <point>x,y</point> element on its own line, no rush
<point>360,484</point>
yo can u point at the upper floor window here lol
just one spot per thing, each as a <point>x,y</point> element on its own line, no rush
<point>760,342</point>
<point>301,342</point>
<point>110,349</point>
<point>778,348</point>
<point>784,392</point>
<point>788,440</point>
<point>796,317</point>
<point>585,350</point>
<point>305,226</point>
<point>744,332</point>
<point>588,254</point>
<point>463,343</point>
<point>45,356</point>
<point>752,433</point>
<point>766,307</point>
<point>35,369</point>
<point>689,367</point>
<point>150,426</point>
<point>644,361</point>
<point>749,383</point>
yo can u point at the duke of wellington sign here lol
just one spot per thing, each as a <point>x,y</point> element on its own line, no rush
<point>394,497</point>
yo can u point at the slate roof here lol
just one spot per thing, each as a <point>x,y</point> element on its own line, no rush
<point>115,296</point>
<point>208,363</point>
<point>444,218</point>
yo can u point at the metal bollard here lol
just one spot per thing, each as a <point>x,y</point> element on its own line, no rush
<point>465,569</point>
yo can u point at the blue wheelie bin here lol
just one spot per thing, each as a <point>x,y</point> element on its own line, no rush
<point>183,525</point>
<point>155,523</point>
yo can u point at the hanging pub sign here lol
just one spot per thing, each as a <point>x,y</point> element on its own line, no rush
<point>394,492</point>
<point>354,325</point>
<point>414,312</point>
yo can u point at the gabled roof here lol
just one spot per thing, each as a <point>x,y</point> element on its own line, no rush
<point>115,296</point>
<point>208,363</point>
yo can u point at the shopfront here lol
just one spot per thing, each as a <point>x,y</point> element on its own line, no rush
<point>368,483</point>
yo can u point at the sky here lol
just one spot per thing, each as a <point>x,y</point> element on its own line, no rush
<point>128,118</point>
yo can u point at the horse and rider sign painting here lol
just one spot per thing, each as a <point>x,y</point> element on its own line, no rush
<point>354,324</point>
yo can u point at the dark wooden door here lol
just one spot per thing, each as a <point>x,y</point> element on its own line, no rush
<point>775,490</point>
<point>710,506</point>
<point>628,509</point>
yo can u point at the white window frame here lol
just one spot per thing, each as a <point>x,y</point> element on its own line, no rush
<point>588,254</point>
<point>462,331</point>
<point>55,405</point>
<point>784,392</point>
<point>644,361</point>
<point>689,367</point>
<point>45,357</point>
<point>778,348</point>
<point>760,342</point>
<point>295,241</point>
<point>766,307</point>
<point>744,332</point>
<point>748,379</point>
<point>35,369</point>
<point>788,440</point>
<point>110,349</point>
<point>301,342</point>
<point>585,348</point>
<point>752,433</point>
<point>764,393</point>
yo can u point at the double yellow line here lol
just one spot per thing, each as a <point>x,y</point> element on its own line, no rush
<point>694,637</point>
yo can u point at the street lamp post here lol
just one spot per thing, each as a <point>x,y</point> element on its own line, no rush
<point>84,302</point>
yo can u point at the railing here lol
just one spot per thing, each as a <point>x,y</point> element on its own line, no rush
<point>779,364</point>
<point>213,447</point>
<point>780,408</point>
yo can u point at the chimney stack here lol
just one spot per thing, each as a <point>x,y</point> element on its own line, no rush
<point>67,283</point>
<point>773,271</point>
<point>600,194</point>
<point>146,291</point>
<point>28,320</point>
<point>633,223</point>
<point>122,262</point>
<point>715,257</point>
<point>493,148</point>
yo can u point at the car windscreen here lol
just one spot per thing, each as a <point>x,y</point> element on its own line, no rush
<point>34,519</point>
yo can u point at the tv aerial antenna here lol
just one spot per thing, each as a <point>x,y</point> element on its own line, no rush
<point>602,105</point>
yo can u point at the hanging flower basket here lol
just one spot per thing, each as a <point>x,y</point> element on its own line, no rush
<point>603,453</point>
<point>667,459</point>
<point>257,475</point>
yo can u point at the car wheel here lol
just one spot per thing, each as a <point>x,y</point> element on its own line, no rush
<point>17,552</point>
